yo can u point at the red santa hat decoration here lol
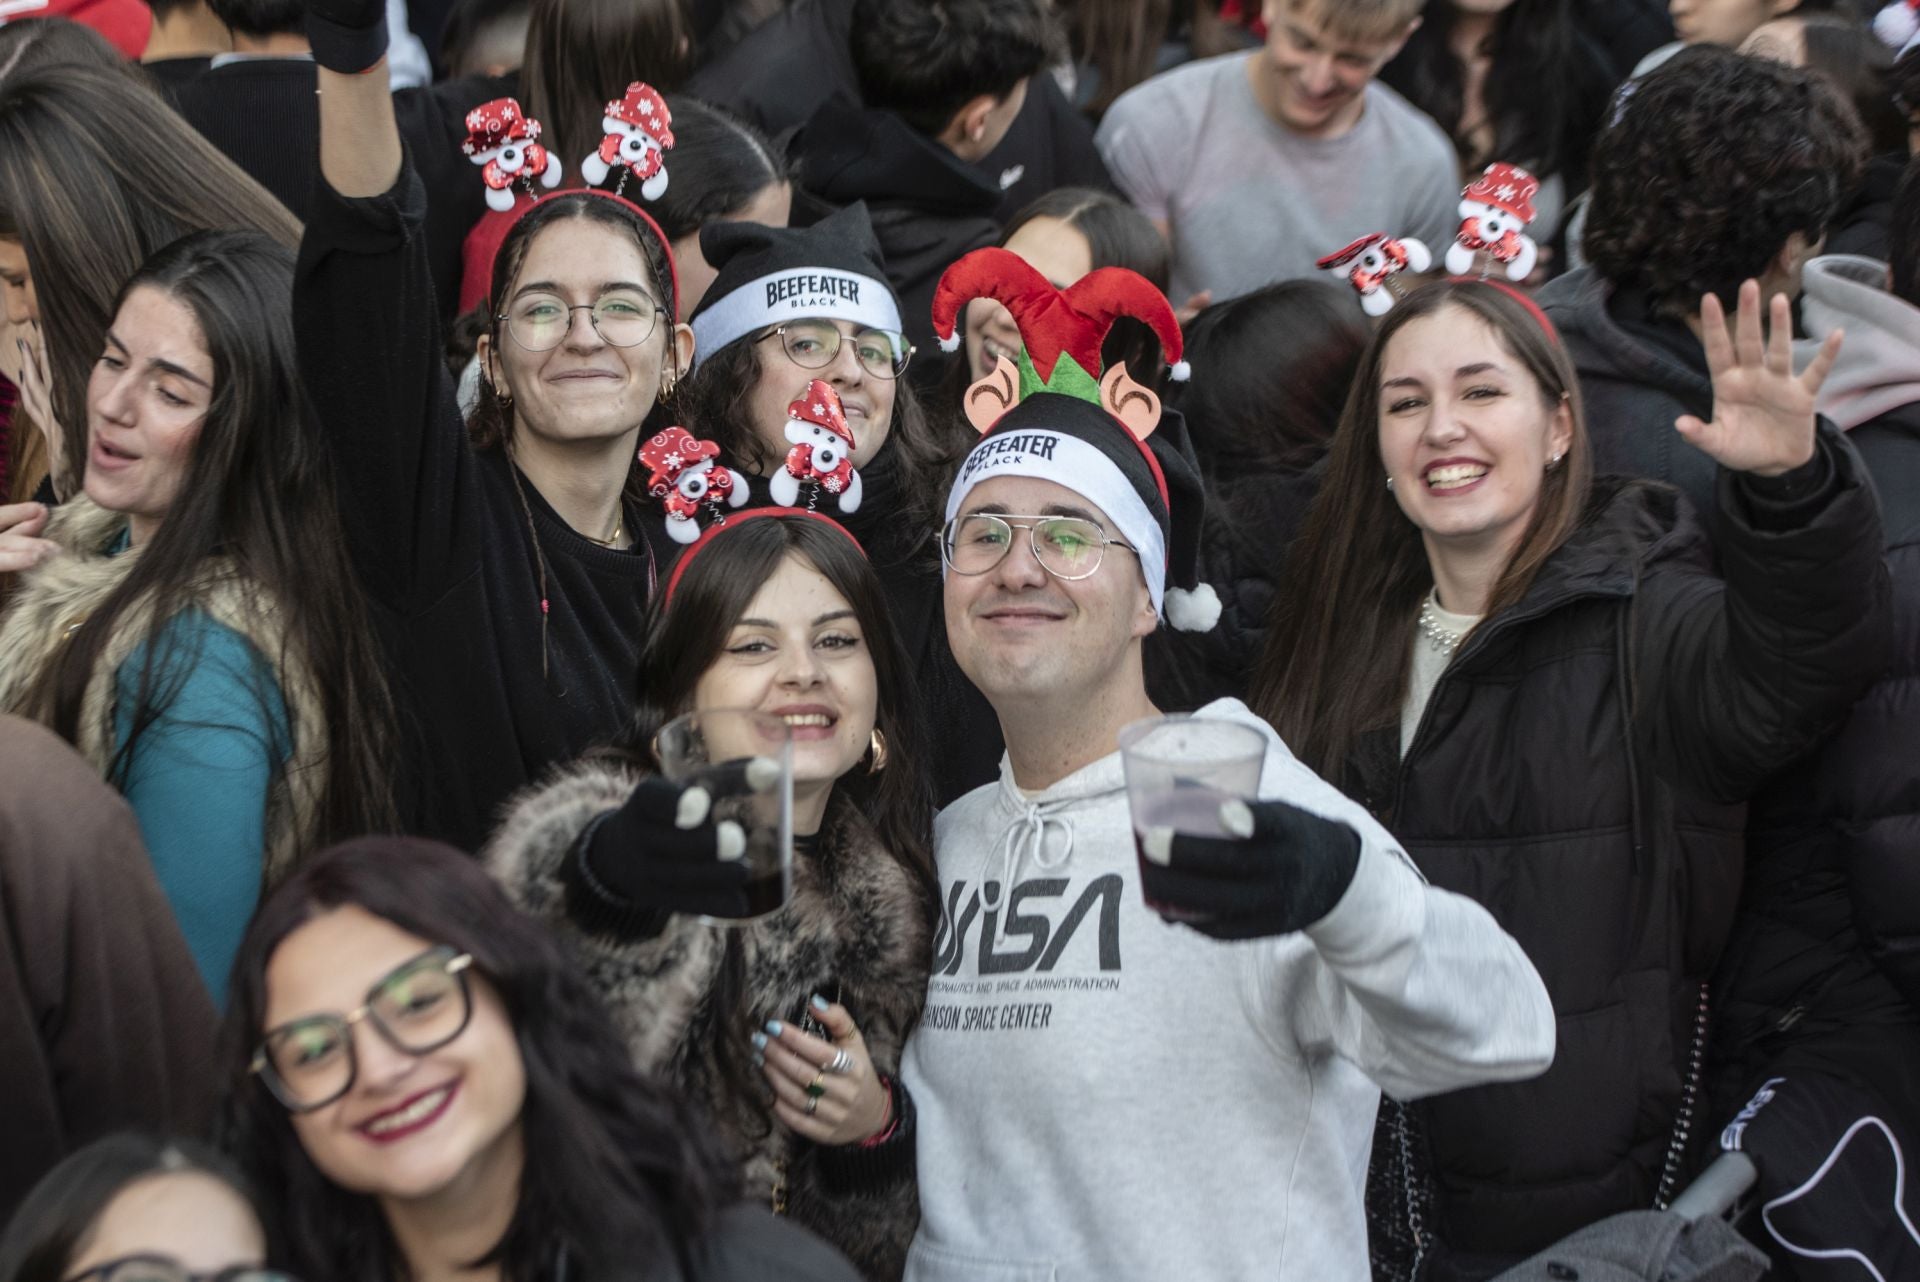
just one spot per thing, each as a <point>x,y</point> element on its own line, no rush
<point>1495,209</point>
<point>686,475</point>
<point>639,132</point>
<point>822,453</point>
<point>1373,260</point>
<point>505,141</point>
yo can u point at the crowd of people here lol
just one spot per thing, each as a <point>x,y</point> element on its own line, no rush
<point>420,420</point>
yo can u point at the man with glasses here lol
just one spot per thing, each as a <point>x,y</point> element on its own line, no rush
<point>1102,1093</point>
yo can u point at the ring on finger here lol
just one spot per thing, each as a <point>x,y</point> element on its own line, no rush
<point>816,1088</point>
<point>813,1102</point>
<point>842,1062</point>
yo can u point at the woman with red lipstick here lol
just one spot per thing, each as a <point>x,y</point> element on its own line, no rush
<point>777,611</point>
<point>1539,682</point>
<point>431,1091</point>
<point>197,633</point>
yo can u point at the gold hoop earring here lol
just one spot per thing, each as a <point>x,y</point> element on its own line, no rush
<point>877,749</point>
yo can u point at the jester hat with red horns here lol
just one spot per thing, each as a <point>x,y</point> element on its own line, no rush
<point>1054,414</point>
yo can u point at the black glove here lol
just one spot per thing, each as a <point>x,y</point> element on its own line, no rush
<point>665,852</point>
<point>347,36</point>
<point>1283,870</point>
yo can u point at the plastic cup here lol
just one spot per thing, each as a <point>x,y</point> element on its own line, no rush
<point>697,748</point>
<point>1179,770</point>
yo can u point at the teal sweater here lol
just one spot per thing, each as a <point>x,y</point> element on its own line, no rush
<point>200,775</point>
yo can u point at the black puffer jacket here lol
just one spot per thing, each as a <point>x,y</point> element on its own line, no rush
<point>1580,770</point>
<point>1833,884</point>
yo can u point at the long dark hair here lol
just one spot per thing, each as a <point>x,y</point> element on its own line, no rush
<point>258,491</point>
<point>1545,94</point>
<point>712,404</point>
<point>719,163</point>
<point>54,1221</point>
<point>91,204</point>
<point>1335,663</point>
<point>580,53</point>
<point>1279,363</point>
<point>683,641</point>
<point>616,1167</point>
<point>1856,63</point>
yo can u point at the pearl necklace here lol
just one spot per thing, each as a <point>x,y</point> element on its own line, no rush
<point>1438,635</point>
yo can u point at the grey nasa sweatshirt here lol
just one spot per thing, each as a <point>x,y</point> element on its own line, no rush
<point>1104,1096</point>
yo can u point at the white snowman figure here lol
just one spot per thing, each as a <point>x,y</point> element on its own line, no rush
<point>685,474</point>
<point>822,453</point>
<point>1495,210</point>
<point>505,142</point>
<point>639,130</point>
<point>1368,263</point>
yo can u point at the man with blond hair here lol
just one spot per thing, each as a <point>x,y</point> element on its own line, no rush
<point>1255,164</point>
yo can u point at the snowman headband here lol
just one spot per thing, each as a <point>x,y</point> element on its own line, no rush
<point>646,219</point>
<point>713,532</point>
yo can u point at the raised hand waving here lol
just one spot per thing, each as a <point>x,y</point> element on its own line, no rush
<point>1763,413</point>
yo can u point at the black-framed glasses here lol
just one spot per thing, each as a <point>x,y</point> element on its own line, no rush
<point>814,344</point>
<point>622,317</point>
<point>419,1007</point>
<point>164,1268</point>
<point>1067,547</point>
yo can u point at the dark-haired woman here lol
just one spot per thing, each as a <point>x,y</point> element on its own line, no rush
<point>1279,363</point>
<point>1515,81</point>
<point>195,630</point>
<point>779,612</point>
<point>1541,687</point>
<point>790,305</point>
<point>135,1208</point>
<point>512,566</point>
<point>431,1091</point>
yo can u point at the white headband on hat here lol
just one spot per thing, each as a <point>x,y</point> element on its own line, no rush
<point>795,293</point>
<point>1070,462</point>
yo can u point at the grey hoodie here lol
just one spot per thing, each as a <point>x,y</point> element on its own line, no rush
<point>1879,365</point>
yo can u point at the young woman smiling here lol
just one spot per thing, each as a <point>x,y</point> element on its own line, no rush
<point>780,612</point>
<point>1538,684</point>
<point>513,566</point>
<point>433,1093</point>
<point>196,631</point>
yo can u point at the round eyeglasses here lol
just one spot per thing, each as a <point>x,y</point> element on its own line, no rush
<point>164,1268</point>
<point>815,344</point>
<point>1067,547</point>
<point>541,322</point>
<point>419,1007</point>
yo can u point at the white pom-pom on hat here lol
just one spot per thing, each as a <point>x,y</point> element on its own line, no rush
<point>1181,371</point>
<point>1898,23</point>
<point>951,343</point>
<point>1193,611</point>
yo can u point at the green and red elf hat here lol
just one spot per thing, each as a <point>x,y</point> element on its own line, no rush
<point>1062,329</point>
<point>1095,432</point>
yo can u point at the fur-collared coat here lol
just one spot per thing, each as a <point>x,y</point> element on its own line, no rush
<point>61,593</point>
<point>854,929</point>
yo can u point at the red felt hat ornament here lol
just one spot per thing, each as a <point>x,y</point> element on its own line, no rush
<point>639,132</point>
<point>686,476</point>
<point>504,141</point>
<point>1495,209</point>
<point>822,453</point>
<point>1373,260</point>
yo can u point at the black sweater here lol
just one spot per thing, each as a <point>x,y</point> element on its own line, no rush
<point>493,694</point>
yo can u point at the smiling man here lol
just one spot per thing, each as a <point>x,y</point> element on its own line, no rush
<point>1103,1094</point>
<point>1255,164</point>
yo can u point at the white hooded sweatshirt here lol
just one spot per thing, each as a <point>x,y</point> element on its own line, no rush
<point>1103,1096</point>
<point>1879,366</point>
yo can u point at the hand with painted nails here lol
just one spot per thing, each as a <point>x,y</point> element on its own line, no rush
<point>824,1091</point>
<point>1279,870</point>
<point>671,846</point>
<point>21,547</point>
<point>1763,413</point>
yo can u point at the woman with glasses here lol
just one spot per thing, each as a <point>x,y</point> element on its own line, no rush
<point>787,1029</point>
<point>789,305</point>
<point>431,1090</point>
<point>511,554</point>
<point>133,1208</point>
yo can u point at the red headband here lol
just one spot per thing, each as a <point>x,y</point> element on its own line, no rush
<point>1518,296</point>
<point>733,522</point>
<point>666,246</point>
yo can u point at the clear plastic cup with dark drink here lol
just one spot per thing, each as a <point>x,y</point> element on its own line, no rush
<point>713,747</point>
<point>1179,770</point>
